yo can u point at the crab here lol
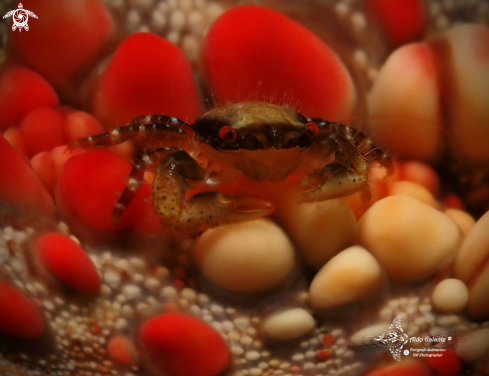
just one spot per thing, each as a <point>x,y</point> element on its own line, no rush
<point>258,140</point>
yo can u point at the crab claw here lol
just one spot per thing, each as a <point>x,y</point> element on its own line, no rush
<point>212,209</point>
<point>246,206</point>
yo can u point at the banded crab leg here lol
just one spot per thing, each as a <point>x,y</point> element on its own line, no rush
<point>203,210</point>
<point>349,172</point>
<point>156,126</point>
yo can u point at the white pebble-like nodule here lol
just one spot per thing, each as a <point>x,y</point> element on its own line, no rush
<point>368,334</point>
<point>409,238</point>
<point>320,229</point>
<point>463,219</point>
<point>450,296</point>
<point>287,325</point>
<point>131,292</point>
<point>413,190</point>
<point>472,267</point>
<point>245,257</point>
<point>473,250</point>
<point>474,346</point>
<point>347,277</point>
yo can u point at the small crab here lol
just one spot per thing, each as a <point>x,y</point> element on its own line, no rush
<point>259,140</point>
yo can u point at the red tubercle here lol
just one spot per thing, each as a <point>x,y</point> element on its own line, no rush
<point>328,340</point>
<point>15,138</point>
<point>66,37</point>
<point>67,262</point>
<point>42,130</point>
<point>48,164</point>
<point>403,368</point>
<point>401,21</point>
<point>121,350</point>
<point>322,355</point>
<point>181,345</point>
<point>444,363</point>
<point>179,284</point>
<point>19,317</point>
<point>21,91</point>
<point>421,173</point>
<point>23,197</point>
<point>78,124</point>
<point>453,201</point>
<point>147,75</point>
<point>87,190</point>
<point>288,65</point>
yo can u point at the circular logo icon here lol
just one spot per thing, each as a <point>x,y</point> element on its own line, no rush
<point>406,352</point>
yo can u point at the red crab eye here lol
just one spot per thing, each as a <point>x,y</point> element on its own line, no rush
<point>312,129</point>
<point>228,134</point>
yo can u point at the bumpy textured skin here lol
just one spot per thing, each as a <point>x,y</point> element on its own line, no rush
<point>340,156</point>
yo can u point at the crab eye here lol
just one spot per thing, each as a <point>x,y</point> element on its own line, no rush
<point>228,134</point>
<point>312,129</point>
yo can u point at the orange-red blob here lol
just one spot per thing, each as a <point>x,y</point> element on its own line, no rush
<point>121,350</point>
<point>402,21</point>
<point>23,198</point>
<point>181,345</point>
<point>421,173</point>
<point>42,130</point>
<point>68,262</point>
<point>147,75</point>
<point>90,184</point>
<point>66,36</point>
<point>21,91</point>
<point>254,53</point>
<point>18,315</point>
<point>446,363</point>
<point>78,124</point>
<point>405,368</point>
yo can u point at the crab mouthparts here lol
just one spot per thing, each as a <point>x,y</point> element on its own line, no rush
<point>278,141</point>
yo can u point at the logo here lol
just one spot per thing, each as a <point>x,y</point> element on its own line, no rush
<point>395,338</point>
<point>20,17</point>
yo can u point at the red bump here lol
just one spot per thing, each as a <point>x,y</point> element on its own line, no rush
<point>402,21</point>
<point>121,350</point>
<point>448,364</point>
<point>322,355</point>
<point>68,262</point>
<point>452,201</point>
<point>88,187</point>
<point>48,164</point>
<point>19,317</point>
<point>21,91</point>
<point>42,130</point>
<point>421,173</point>
<point>43,166</point>
<point>181,345</point>
<point>23,198</point>
<point>66,37</point>
<point>147,75</point>
<point>405,368</point>
<point>255,53</point>
<point>78,124</point>
<point>15,138</point>
<point>328,340</point>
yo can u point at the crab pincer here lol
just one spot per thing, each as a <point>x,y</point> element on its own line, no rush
<point>203,210</point>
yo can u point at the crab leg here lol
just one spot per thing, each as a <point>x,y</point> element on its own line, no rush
<point>155,126</point>
<point>203,210</point>
<point>136,177</point>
